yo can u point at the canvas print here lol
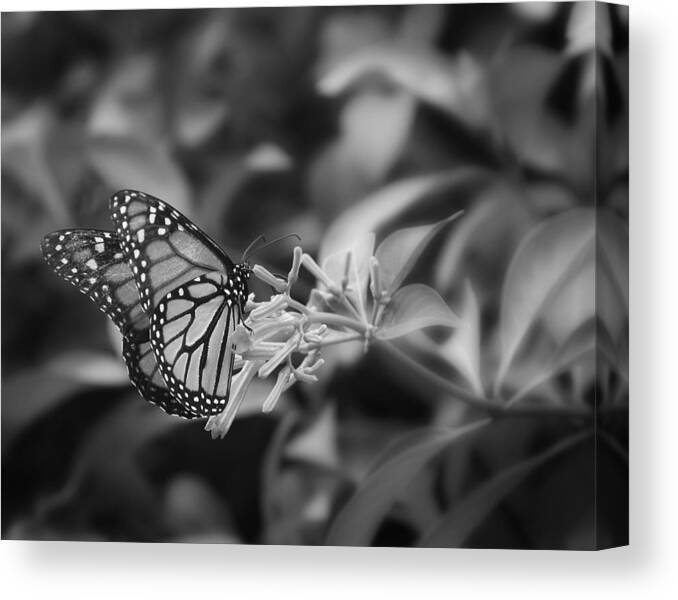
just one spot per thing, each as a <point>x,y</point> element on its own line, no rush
<point>340,275</point>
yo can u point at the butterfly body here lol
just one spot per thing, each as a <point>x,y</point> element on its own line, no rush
<point>174,295</point>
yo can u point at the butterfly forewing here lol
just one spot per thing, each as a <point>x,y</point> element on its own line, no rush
<point>93,262</point>
<point>164,249</point>
<point>191,333</point>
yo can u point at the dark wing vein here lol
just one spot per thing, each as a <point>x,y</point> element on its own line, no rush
<point>199,370</point>
<point>93,262</point>
<point>152,232</point>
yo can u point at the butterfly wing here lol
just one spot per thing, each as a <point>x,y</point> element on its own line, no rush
<point>144,373</point>
<point>191,333</point>
<point>93,262</point>
<point>163,247</point>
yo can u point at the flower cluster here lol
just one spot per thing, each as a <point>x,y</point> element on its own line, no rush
<point>281,329</point>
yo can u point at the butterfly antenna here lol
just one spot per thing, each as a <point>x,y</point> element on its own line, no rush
<point>250,249</point>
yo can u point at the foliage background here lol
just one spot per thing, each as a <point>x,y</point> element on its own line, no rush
<point>329,122</point>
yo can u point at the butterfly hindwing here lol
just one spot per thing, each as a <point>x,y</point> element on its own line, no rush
<point>143,371</point>
<point>93,262</point>
<point>191,333</point>
<point>163,247</point>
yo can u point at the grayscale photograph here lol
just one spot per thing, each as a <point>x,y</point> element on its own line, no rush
<point>317,276</point>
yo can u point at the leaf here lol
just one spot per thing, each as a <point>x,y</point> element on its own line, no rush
<point>357,522</point>
<point>385,205</point>
<point>30,394</point>
<point>453,84</point>
<point>455,527</point>
<point>522,80</point>
<point>557,252</point>
<point>198,119</point>
<point>25,154</point>
<point>317,444</point>
<point>589,29</point>
<point>129,104</point>
<point>462,350</point>
<point>422,23</point>
<point>612,271</point>
<point>194,510</point>
<point>124,162</point>
<point>343,32</point>
<point>581,342</point>
<point>268,158</point>
<point>374,128</point>
<point>481,244</point>
<point>414,307</point>
<point>95,368</point>
<point>106,469</point>
<point>399,252</point>
<point>535,11</point>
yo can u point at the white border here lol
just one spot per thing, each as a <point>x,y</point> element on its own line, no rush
<point>648,569</point>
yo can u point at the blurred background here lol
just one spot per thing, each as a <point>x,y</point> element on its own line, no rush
<point>329,122</point>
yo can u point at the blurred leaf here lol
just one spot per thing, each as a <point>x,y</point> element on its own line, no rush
<point>200,102</point>
<point>454,85</point>
<point>612,254</point>
<point>422,23</point>
<point>268,158</point>
<point>25,154</point>
<point>550,198</point>
<point>193,510</point>
<point>600,287</point>
<point>129,105</point>
<point>414,307</point>
<point>455,527</point>
<point>374,126</point>
<point>481,244</point>
<point>462,349</point>
<point>345,31</point>
<point>553,263</point>
<point>521,82</point>
<point>535,11</point>
<point>88,367</point>
<point>389,202</point>
<point>399,252</point>
<point>362,441</point>
<point>581,343</point>
<point>589,28</point>
<point>356,524</point>
<point>318,443</point>
<point>106,475</point>
<point>198,120</point>
<point>29,395</point>
<point>116,440</point>
<point>124,162</point>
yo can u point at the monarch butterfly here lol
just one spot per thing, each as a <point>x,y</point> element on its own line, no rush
<point>174,295</point>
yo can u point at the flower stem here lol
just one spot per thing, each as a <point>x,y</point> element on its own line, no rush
<point>337,321</point>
